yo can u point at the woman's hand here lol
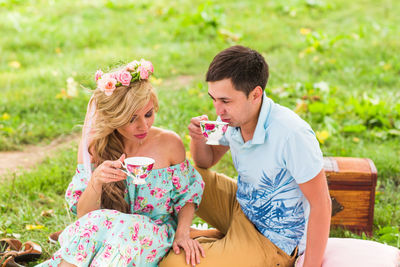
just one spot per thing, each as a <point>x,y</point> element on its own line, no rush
<point>192,248</point>
<point>108,172</point>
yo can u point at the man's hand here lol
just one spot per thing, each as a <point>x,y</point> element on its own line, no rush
<point>194,128</point>
<point>192,248</point>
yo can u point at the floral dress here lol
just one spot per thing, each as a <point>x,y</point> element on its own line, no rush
<point>111,238</point>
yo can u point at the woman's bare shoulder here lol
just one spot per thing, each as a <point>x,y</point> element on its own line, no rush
<point>172,144</point>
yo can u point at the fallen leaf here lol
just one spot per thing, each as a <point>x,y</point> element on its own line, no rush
<point>301,107</point>
<point>305,31</point>
<point>63,94</point>
<point>31,227</point>
<point>15,235</point>
<point>72,87</point>
<point>322,136</point>
<point>323,86</point>
<point>5,116</point>
<point>15,64</point>
<point>47,213</point>
<point>155,81</point>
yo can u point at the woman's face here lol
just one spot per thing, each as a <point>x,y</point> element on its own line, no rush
<point>139,126</point>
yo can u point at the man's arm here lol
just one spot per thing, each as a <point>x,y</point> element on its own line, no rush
<point>204,156</point>
<point>317,193</point>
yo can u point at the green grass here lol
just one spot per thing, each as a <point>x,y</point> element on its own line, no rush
<point>351,46</point>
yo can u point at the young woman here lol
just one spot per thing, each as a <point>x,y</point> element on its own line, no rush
<point>121,223</point>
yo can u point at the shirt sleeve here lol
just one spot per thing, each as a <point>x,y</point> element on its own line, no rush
<point>302,155</point>
<point>76,187</point>
<point>188,186</point>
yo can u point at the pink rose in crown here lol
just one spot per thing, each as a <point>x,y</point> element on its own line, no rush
<point>107,84</point>
<point>98,74</point>
<point>147,65</point>
<point>143,176</point>
<point>124,77</point>
<point>132,65</point>
<point>114,75</point>
<point>144,74</point>
<point>209,126</point>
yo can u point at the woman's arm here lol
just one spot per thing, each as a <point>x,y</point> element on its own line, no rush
<point>182,240</point>
<point>107,172</point>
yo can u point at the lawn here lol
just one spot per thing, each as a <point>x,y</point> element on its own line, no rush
<point>336,63</point>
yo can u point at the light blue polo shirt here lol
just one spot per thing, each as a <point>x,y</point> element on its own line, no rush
<point>283,153</point>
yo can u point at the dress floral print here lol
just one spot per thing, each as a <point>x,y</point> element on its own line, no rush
<point>110,238</point>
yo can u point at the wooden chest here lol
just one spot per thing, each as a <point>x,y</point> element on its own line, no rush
<point>351,183</point>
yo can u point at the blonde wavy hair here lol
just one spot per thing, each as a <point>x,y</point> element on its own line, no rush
<point>106,143</point>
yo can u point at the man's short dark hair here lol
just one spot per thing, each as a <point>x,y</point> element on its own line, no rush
<point>246,68</point>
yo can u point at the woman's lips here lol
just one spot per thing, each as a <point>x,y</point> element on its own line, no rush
<point>141,136</point>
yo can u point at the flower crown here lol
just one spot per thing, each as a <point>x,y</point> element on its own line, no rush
<point>133,71</point>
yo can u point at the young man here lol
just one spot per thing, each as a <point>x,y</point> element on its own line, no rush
<point>280,205</point>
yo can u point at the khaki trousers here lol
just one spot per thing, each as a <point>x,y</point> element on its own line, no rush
<point>243,245</point>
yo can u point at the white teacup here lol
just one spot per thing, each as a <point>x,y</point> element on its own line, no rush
<point>213,131</point>
<point>138,168</point>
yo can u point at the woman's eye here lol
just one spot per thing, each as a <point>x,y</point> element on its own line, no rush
<point>149,114</point>
<point>133,119</point>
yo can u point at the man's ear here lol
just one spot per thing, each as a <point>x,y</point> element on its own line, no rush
<point>256,94</point>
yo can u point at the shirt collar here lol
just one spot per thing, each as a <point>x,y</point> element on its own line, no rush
<point>260,131</point>
<point>262,122</point>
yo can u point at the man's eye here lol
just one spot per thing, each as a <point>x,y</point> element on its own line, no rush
<point>225,101</point>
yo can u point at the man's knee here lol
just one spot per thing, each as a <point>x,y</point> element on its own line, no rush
<point>207,174</point>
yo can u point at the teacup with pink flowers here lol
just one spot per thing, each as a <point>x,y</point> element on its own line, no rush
<point>213,131</point>
<point>138,168</point>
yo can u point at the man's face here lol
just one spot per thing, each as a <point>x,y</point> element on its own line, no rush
<point>233,106</point>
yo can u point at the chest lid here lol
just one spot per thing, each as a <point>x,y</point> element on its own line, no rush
<point>350,171</point>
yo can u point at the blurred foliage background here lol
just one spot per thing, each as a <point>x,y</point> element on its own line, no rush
<point>336,63</point>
